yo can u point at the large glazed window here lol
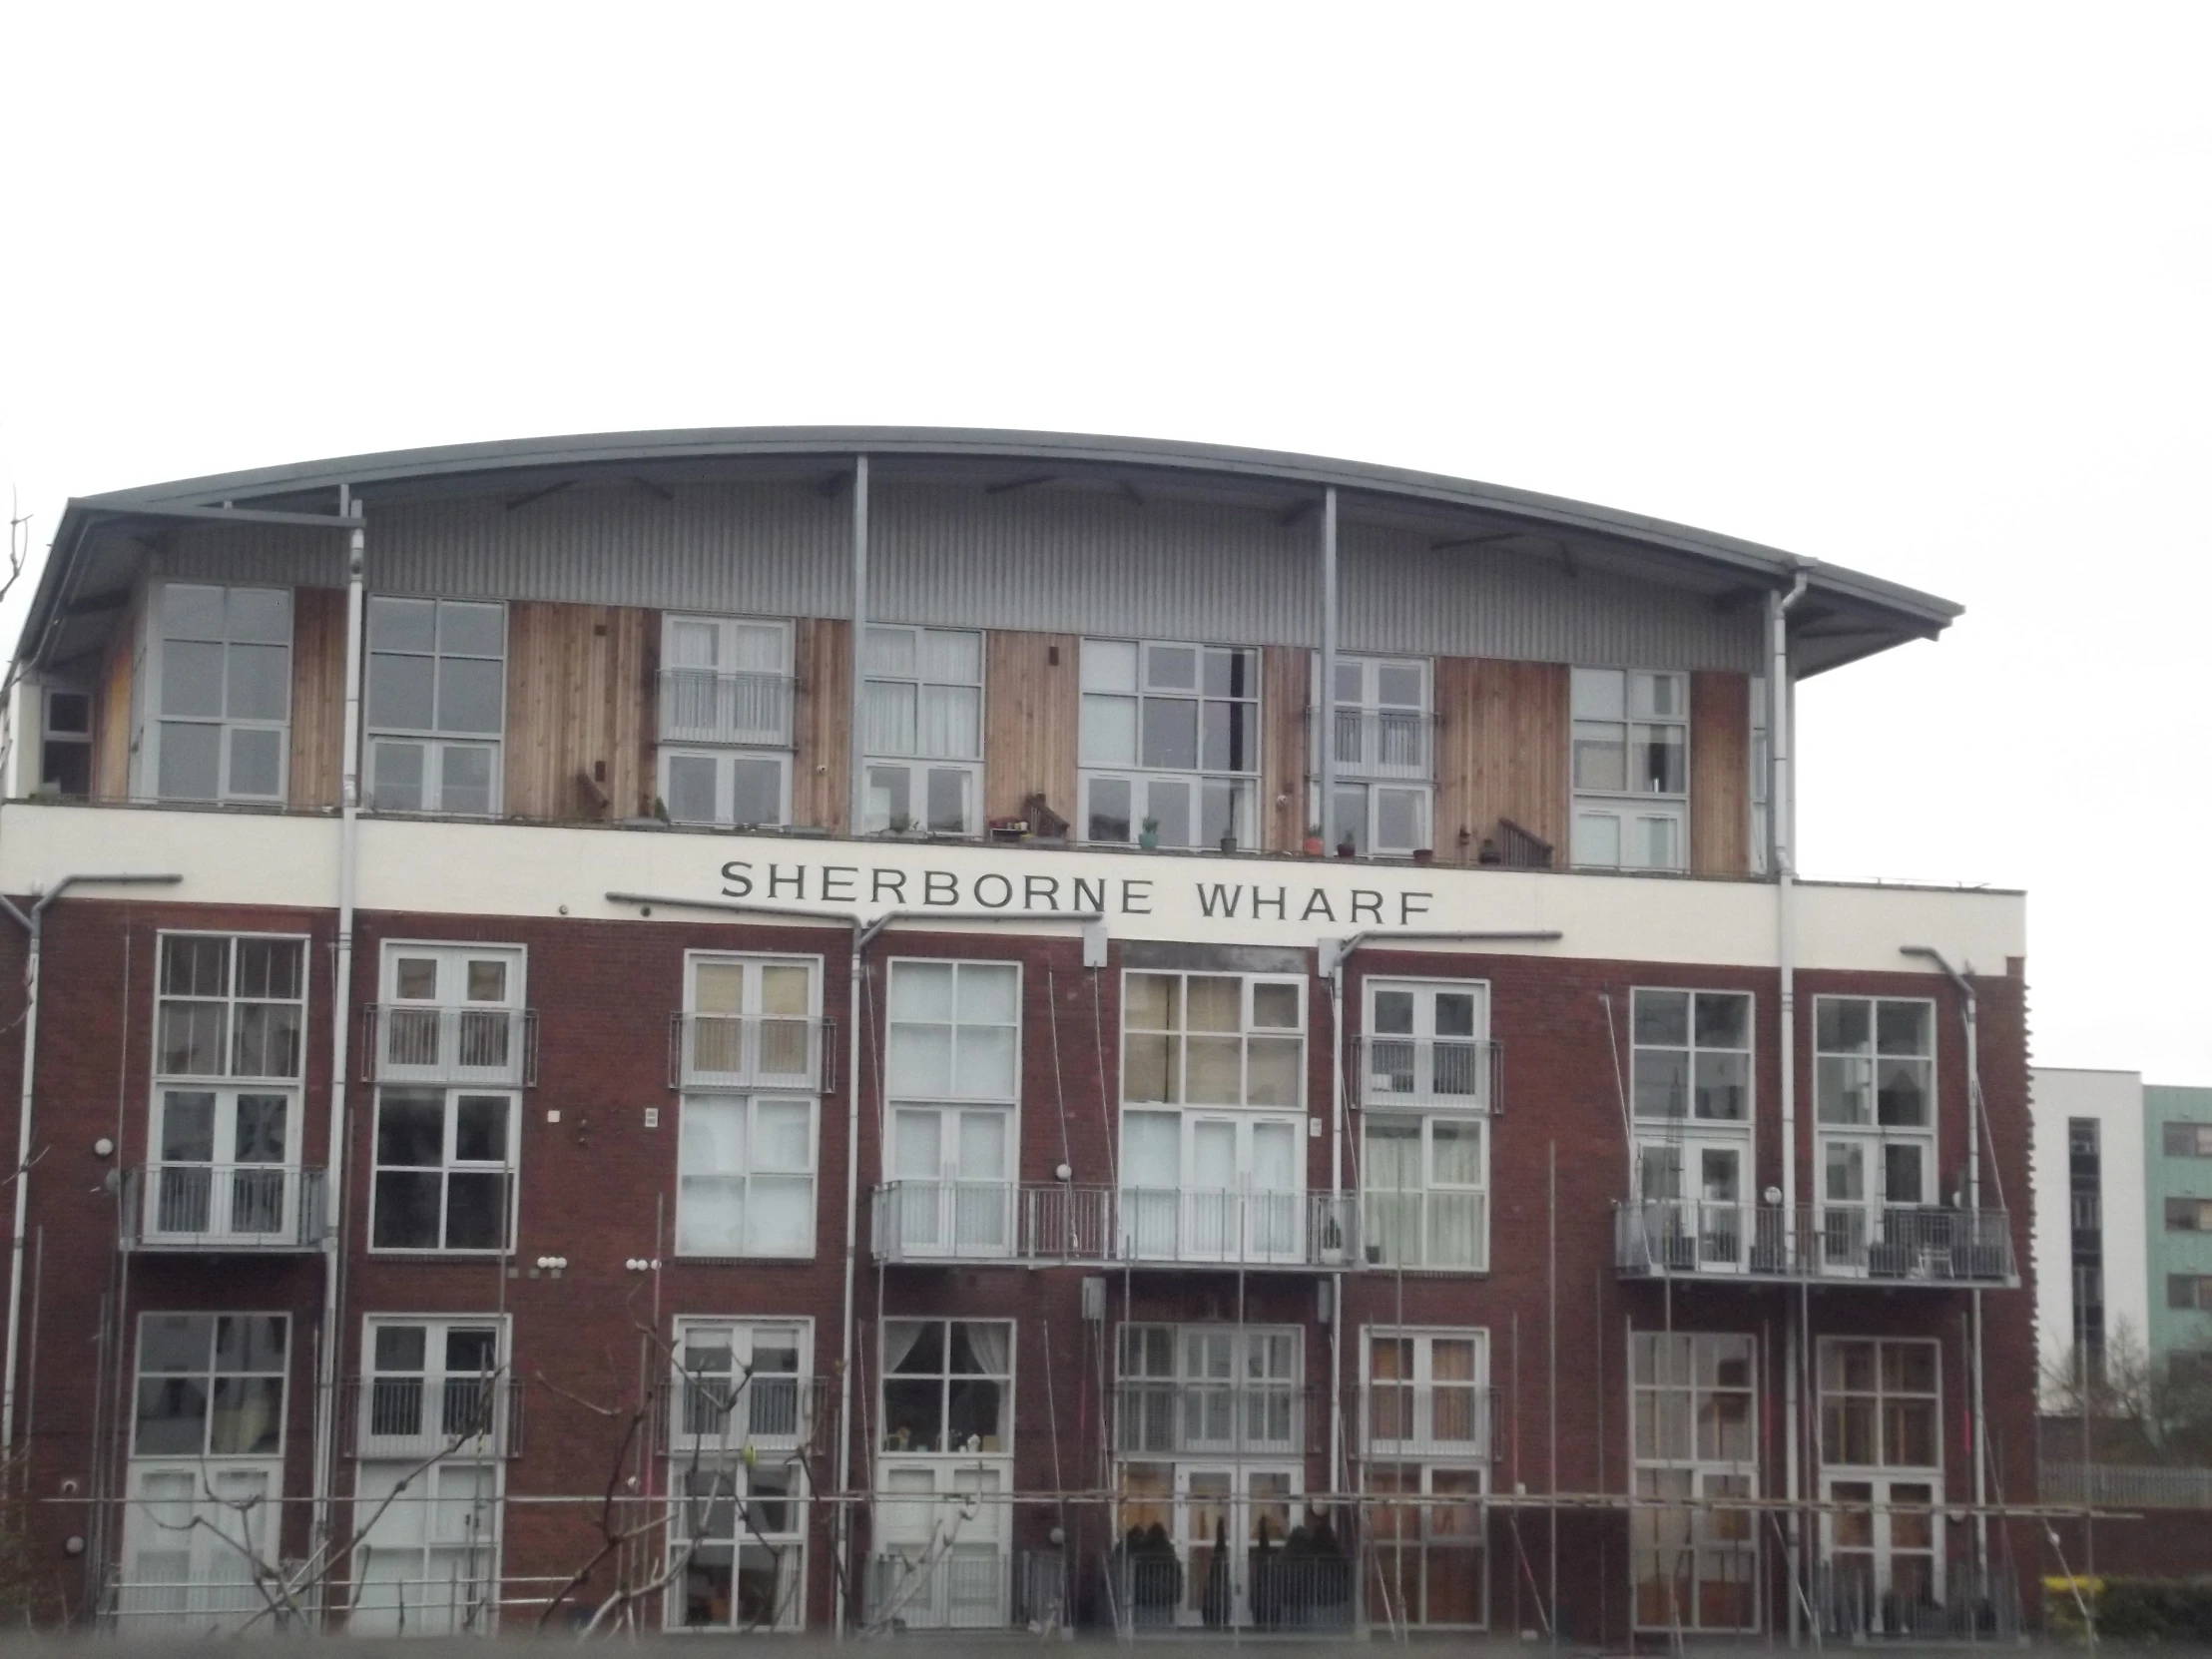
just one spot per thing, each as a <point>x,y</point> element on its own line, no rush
<point>1381,727</point>
<point>223,676</point>
<point>1694,1432</point>
<point>1874,1084</point>
<point>751,1076</point>
<point>725,719</point>
<point>1631,753</point>
<point>921,729</point>
<point>229,1025</point>
<point>949,1160</point>
<point>1170,734</point>
<point>947,1386</point>
<point>437,697</point>
<point>210,1386</point>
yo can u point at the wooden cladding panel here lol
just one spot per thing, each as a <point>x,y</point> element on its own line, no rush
<point>1032,710</point>
<point>318,696</point>
<point>822,773</point>
<point>577,694</point>
<point>1501,750</point>
<point>1285,686</point>
<point>110,743</point>
<point>1719,772</point>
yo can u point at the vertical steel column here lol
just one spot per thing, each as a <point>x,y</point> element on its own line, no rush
<point>1325,717</point>
<point>855,817</point>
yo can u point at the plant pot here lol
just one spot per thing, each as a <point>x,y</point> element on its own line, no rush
<point>1424,854</point>
<point>1149,841</point>
<point>1313,847</point>
<point>1229,843</point>
<point>1344,850</point>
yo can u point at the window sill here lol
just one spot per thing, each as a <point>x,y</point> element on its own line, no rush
<point>710,1260</point>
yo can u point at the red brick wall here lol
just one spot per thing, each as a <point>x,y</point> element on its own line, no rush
<point>597,1185</point>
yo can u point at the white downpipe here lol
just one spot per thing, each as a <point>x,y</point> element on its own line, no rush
<point>1782,860</point>
<point>342,1027</point>
<point>863,935</point>
<point>1337,1472</point>
<point>34,925</point>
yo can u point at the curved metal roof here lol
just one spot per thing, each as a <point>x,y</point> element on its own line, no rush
<point>1900,612</point>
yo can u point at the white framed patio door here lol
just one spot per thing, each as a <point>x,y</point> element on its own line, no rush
<point>954,1167</point>
<point>1693,1191</point>
<point>1212,1187</point>
<point>1218,1512</point>
<point>1881,1550</point>
<point>227,1161</point>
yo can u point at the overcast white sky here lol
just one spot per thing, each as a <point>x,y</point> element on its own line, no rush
<point>1922,290</point>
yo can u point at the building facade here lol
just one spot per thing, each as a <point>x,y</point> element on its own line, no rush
<point>2177,1158</point>
<point>2092,1252</point>
<point>775,1030</point>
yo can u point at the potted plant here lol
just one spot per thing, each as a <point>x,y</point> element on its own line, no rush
<point>1229,841</point>
<point>1314,847</point>
<point>1148,837</point>
<point>1345,846</point>
<point>1424,854</point>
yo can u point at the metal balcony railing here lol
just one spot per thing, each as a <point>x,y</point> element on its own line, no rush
<point>219,1598</point>
<point>1383,744</point>
<point>947,1221</point>
<point>1213,1418</point>
<point>751,1051</point>
<point>1861,1597</point>
<point>938,1590</point>
<point>1435,1230</point>
<point>1001,1221</point>
<point>1254,1590</point>
<point>1427,1419</point>
<point>767,1413</point>
<point>421,1042</point>
<point>1919,1244</point>
<point>1237,1228</point>
<point>419,1418</point>
<point>699,705</point>
<point>253,1208</point>
<point>1464,1072</point>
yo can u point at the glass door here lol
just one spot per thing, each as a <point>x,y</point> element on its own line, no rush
<point>225,1169</point>
<point>952,1163</point>
<point>1884,1564</point>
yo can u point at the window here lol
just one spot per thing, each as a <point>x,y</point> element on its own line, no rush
<point>1879,1404</point>
<point>750,1075</point>
<point>922,729</point>
<point>65,764</point>
<point>1423,1197</point>
<point>1631,769</point>
<point>452,1014</point>
<point>1874,1084</point>
<point>1206,1039</point>
<point>2085,1189</point>
<point>954,1059</point>
<point>1381,726</point>
<point>224,679</point>
<point>740,1381</point>
<point>1427,1043</point>
<point>2187,1140</point>
<point>438,679</point>
<point>949,1385</point>
<point>725,719</point>
<point>1207,1389</point>
<point>1171,735</point>
<point>741,1522</point>
<point>2189,1215</point>
<point>1762,779</point>
<point>210,1386</point>
<point>433,1430</point>
<point>1692,1055</point>
<point>1428,1392</point>
<point>229,1023</point>
<point>1693,1413</point>
<point>2189,1289</point>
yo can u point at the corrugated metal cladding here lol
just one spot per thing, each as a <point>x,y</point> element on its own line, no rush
<point>1402,594</point>
<point>1044,558</point>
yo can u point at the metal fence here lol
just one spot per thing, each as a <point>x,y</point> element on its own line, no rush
<point>223,1207</point>
<point>1853,1602</point>
<point>2128,1486</point>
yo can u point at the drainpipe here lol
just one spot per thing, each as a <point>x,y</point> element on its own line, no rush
<point>855,807</point>
<point>34,925</point>
<point>1782,860</point>
<point>342,1027</point>
<point>1325,712</point>
<point>1968,1013</point>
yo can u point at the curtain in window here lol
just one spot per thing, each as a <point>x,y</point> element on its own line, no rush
<point>899,1337</point>
<point>991,1342</point>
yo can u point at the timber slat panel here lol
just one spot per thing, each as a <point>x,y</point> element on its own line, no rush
<point>575,701</point>
<point>822,776</point>
<point>111,759</point>
<point>1031,714</point>
<point>1502,752</point>
<point>1719,772</point>
<point>1284,686</point>
<point>318,696</point>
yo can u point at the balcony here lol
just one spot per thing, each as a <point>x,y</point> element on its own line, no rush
<point>1826,1244</point>
<point>700,706</point>
<point>420,1042</point>
<point>766,1412</point>
<point>1427,1419</point>
<point>1164,1418</point>
<point>252,1209</point>
<point>1000,1220</point>
<point>1387,744</point>
<point>751,1051</point>
<point>418,1419</point>
<point>1435,1072</point>
<point>965,1589</point>
<point>1439,1231</point>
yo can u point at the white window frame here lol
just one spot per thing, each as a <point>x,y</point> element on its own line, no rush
<point>726,743</point>
<point>228,1207</point>
<point>1854,1224</point>
<point>955,1213</point>
<point>918,763</point>
<point>1229,1391</point>
<point>1004,1450</point>
<point>701,1392</point>
<point>459,1516</point>
<point>51,733</point>
<point>1181,1034</point>
<point>1241,783</point>
<point>1882,1479</point>
<point>433,740</point>
<point>206,1450</point>
<point>1377,1047</point>
<point>691,1175</point>
<point>725,762</point>
<point>1630,812</point>
<point>1433,1214</point>
<point>1683,1224</point>
<point>1421,1393</point>
<point>1366,781</point>
<point>156,716</point>
<point>1762,775</point>
<point>508,1170</point>
<point>1676,1527</point>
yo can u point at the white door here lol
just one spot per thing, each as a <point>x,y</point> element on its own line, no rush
<point>952,1164</point>
<point>1883,1554</point>
<point>226,1164</point>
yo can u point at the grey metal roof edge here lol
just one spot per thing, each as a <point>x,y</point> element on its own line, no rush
<point>1927,612</point>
